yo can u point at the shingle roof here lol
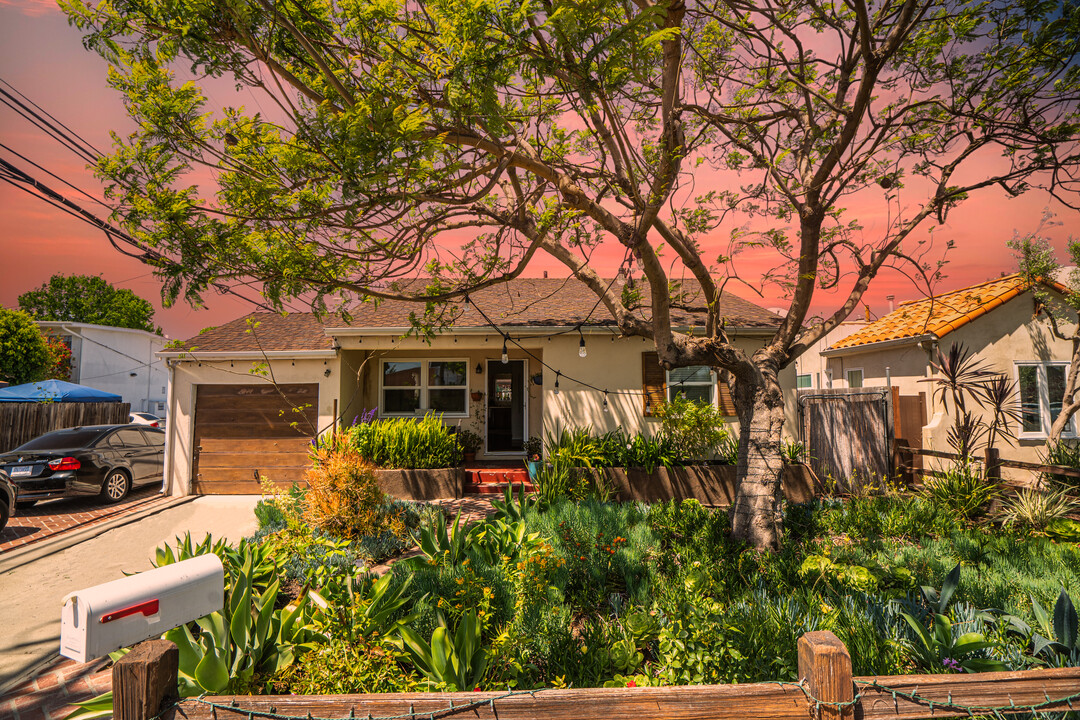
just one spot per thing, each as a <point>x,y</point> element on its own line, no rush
<point>938,315</point>
<point>520,303</point>
<point>555,301</point>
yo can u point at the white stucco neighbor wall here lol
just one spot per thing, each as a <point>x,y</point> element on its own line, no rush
<point>188,373</point>
<point>1001,339</point>
<point>117,360</point>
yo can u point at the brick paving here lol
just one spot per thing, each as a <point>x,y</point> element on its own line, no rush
<point>52,517</point>
<point>51,693</point>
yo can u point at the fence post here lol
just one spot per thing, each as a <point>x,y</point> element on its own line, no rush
<point>825,666</point>
<point>993,465</point>
<point>144,679</point>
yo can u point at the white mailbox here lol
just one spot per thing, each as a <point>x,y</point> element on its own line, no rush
<point>107,617</point>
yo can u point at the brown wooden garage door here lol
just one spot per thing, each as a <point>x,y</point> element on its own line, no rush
<point>244,431</point>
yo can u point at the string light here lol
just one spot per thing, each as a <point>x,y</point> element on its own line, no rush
<point>605,401</point>
<point>557,374</point>
<point>505,358</point>
<point>581,351</point>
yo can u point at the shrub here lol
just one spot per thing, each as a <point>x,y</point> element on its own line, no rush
<point>469,441</point>
<point>962,490</point>
<point>348,666</point>
<point>343,498</point>
<point>1065,454</point>
<point>1036,509</point>
<point>695,428</point>
<point>406,443</point>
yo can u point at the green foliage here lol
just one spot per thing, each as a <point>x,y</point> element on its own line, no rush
<point>695,428</point>
<point>962,490</point>
<point>1065,454</point>
<point>349,666</point>
<point>88,299</point>
<point>514,506</point>
<point>406,443</point>
<point>264,564</point>
<point>728,451</point>
<point>469,441</point>
<point>455,660</point>
<point>1036,509</point>
<point>24,357</point>
<point>1058,645</point>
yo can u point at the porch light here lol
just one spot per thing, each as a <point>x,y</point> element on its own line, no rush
<point>605,401</point>
<point>557,374</point>
<point>479,369</point>
<point>505,358</point>
<point>581,351</point>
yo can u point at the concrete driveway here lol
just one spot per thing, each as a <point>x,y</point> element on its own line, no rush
<point>33,587</point>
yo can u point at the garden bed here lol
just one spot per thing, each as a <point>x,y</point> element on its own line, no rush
<point>711,485</point>
<point>421,485</point>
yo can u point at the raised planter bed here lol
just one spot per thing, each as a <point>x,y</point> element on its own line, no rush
<point>429,484</point>
<point>709,484</point>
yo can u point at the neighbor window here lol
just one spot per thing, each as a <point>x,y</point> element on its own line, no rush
<point>696,382</point>
<point>804,381</point>
<point>412,385</point>
<point>854,378</point>
<point>1042,387</point>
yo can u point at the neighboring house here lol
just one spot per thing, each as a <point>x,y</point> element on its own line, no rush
<point>999,322</point>
<point>811,368</point>
<point>117,360</point>
<point>330,369</point>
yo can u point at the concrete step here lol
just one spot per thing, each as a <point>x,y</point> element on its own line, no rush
<point>495,488</point>
<point>496,475</point>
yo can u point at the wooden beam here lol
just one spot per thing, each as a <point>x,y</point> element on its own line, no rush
<point>145,679</point>
<point>825,667</point>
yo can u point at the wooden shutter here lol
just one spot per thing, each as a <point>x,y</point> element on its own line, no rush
<point>726,402</point>
<point>653,382</point>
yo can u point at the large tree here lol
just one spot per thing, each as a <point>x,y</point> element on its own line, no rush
<point>460,138</point>
<point>88,299</point>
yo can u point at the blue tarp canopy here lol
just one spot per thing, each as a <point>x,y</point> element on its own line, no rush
<point>55,391</point>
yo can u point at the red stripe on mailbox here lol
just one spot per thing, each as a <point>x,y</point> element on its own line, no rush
<point>148,608</point>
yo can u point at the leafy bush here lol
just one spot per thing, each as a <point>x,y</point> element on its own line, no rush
<point>962,490</point>
<point>1036,509</point>
<point>728,450</point>
<point>469,441</point>
<point>349,666</point>
<point>406,443</point>
<point>696,429</point>
<point>278,510</point>
<point>1066,454</point>
<point>343,497</point>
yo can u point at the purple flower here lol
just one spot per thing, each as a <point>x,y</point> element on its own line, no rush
<point>950,664</point>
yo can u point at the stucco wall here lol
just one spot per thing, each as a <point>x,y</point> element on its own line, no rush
<point>187,374</point>
<point>116,360</point>
<point>1002,338</point>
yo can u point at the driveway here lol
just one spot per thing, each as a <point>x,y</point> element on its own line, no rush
<point>52,517</point>
<point>33,591</point>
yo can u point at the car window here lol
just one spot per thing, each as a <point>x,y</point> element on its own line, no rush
<point>156,439</point>
<point>113,441</point>
<point>62,440</point>
<point>131,438</point>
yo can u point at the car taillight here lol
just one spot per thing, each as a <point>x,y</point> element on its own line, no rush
<point>68,463</point>
<point>153,424</point>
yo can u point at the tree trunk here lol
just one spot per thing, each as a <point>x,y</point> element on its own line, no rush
<point>756,516</point>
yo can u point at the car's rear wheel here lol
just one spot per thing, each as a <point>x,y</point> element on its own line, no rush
<point>116,486</point>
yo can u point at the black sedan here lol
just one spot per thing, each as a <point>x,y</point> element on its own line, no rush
<point>104,460</point>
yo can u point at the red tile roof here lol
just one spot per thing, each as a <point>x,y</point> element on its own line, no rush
<point>938,315</point>
<point>524,302</point>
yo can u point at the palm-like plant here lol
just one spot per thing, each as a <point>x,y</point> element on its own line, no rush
<point>961,376</point>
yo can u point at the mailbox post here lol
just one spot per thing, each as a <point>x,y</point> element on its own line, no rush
<point>121,613</point>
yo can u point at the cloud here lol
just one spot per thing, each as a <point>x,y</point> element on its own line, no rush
<point>33,8</point>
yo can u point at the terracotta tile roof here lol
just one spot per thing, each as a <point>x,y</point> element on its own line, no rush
<point>554,301</point>
<point>274,333</point>
<point>938,315</point>
<point>520,303</point>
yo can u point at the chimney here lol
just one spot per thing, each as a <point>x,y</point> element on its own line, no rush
<point>891,299</point>
<point>545,274</point>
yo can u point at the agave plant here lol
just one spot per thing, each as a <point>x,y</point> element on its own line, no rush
<point>457,660</point>
<point>1036,509</point>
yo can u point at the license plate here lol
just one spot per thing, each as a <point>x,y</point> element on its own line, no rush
<point>22,471</point>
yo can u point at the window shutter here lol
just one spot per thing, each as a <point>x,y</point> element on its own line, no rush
<point>653,382</point>
<point>726,402</point>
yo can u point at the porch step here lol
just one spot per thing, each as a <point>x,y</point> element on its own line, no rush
<point>495,488</point>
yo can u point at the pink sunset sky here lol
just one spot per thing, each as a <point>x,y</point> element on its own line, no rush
<point>42,56</point>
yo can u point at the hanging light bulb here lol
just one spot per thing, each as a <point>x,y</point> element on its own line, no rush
<point>505,358</point>
<point>557,374</point>
<point>581,351</point>
<point>605,401</point>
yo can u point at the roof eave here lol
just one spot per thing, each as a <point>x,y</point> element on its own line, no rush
<point>198,355</point>
<point>525,330</point>
<point>881,345</point>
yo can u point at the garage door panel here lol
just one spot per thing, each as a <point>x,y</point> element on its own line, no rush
<point>246,431</point>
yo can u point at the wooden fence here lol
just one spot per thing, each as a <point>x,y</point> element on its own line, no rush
<point>144,680</point>
<point>20,422</point>
<point>848,434</point>
<point>909,469</point>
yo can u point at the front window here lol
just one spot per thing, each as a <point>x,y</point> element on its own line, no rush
<point>409,386</point>
<point>1042,389</point>
<point>696,382</point>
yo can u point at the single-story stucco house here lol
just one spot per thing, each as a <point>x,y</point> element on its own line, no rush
<point>1001,322</point>
<point>564,354</point>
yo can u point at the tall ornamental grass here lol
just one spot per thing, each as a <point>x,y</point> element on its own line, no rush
<point>406,443</point>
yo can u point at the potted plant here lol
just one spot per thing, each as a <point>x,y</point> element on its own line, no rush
<point>532,448</point>
<point>476,395</point>
<point>470,442</point>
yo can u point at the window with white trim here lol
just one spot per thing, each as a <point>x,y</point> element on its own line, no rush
<point>854,378</point>
<point>1042,388</point>
<point>408,386</point>
<point>804,381</point>
<point>697,382</point>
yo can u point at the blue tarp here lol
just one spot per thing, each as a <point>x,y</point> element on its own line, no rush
<point>56,391</point>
